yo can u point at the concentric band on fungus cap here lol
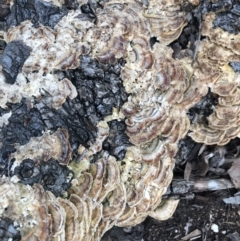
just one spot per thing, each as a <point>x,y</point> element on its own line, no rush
<point>105,191</point>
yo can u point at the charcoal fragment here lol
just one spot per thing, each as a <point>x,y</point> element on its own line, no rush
<point>202,109</point>
<point>3,26</point>
<point>117,141</point>
<point>55,177</point>
<point>2,45</point>
<point>99,88</point>
<point>6,164</point>
<point>8,231</point>
<point>227,18</point>
<point>86,17</point>
<point>22,125</point>
<point>37,11</point>
<point>86,8</point>
<point>71,4</point>
<point>125,234</point>
<point>235,66</point>
<point>12,60</point>
<point>185,44</point>
<point>91,7</point>
<point>51,175</point>
<point>26,170</point>
<point>4,9</point>
<point>222,5</point>
<point>49,15</point>
<point>71,116</point>
<point>227,15</point>
<point>228,22</point>
<point>3,111</point>
<point>152,41</point>
<point>236,9</point>
<point>21,11</point>
<point>87,13</point>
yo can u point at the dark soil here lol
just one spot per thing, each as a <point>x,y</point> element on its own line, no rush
<point>200,213</point>
<point>206,210</point>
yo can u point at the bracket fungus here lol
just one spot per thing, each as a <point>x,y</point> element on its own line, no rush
<point>112,120</point>
<point>219,51</point>
<point>45,147</point>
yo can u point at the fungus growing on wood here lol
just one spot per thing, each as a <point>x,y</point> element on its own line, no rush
<point>223,124</point>
<point>117,135</point>
<point>45,147</point>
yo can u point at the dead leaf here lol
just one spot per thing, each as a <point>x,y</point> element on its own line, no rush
<point>234,236</point>
<point>232,200</point>
<point>234,173</point>
<point>203,164</point>
<point>193,234</point>
<point>187,171</point>
<point>212,185</point>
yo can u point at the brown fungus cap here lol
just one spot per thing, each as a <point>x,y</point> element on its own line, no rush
<point>217,52</point>
<point>47,146</point>
<point>161,89</point>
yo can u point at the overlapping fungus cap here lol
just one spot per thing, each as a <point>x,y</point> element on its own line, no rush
<point>123,199</point>
<point>41,215</point>
<point>166,22</point>
<point>49,46</point>
<point>116,25</point>
<point>166,19</point>
<point>31,85</point>
<point>27,207</point>
<point>219,36</point>
<point>158,111</point>
<point>49,51</point>
<point>45,147</point>
<point>104,191</point>
<point>223,124</point>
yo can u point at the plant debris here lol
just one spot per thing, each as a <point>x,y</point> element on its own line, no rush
<point>106,100</point>
<point>234,173</point>
<point>12,60</point>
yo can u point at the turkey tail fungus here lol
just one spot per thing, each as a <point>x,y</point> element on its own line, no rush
<point>93,106</point>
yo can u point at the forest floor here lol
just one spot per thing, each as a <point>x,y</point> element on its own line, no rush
<point>210,215</point>
<point>206,217</point>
